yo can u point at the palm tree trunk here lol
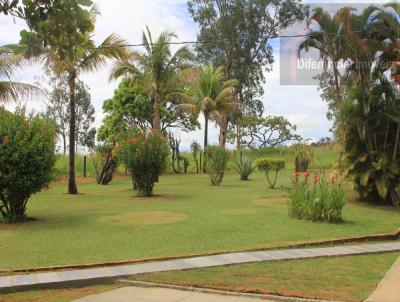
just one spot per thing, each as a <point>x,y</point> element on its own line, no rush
<point>157,113</point>
<point>336,75</point>
<point>205,131</point>
<point>72,189</point>
<point>222,131</point>
<point>205,142</point>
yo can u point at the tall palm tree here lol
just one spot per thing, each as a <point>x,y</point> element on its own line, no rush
<point>72,59</point>
<point>211,95</point>
<point>11,90</point>
<point>156,68</point>
<point>327,41</point>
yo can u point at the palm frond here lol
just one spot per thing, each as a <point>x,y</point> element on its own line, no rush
<point>113,47</point>
<point>13,91</point>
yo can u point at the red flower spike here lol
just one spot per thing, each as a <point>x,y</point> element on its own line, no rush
<point>134,141</point>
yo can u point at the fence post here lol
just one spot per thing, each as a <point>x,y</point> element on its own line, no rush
<point>84,166</point>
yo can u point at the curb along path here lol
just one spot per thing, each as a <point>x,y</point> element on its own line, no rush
<point>388,290</point>
<point>82,275</point>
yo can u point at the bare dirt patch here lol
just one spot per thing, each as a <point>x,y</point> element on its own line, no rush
<point>279,201</point>
<point>235,212</point>
<point>144,218</point>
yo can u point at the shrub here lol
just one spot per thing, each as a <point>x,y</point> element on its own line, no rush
<point>244,167</point>
<point>268,165</point>
<point>317,202</point>
<point>27,159</point>
<point>144,155</point>
<point>217,158</point>
<point>303,157</point>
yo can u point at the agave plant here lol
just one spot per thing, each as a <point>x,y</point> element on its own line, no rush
<point>244,166</point>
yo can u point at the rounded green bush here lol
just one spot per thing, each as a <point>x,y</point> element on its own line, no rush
<point>27,159</point>
<point>144,155</point>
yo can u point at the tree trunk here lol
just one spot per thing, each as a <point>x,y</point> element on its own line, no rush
<point>72,189</point>
<point>336,75</point>
<point>205,142</point>
<point>396,144</point>
<point>238,134</point>
<point>157,113</point>
<point>64,136</point>
<point>205,131</point>
<point>222,130</point>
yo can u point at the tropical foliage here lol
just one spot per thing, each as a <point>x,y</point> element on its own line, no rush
<point>319,201</point>
<point>156,69</point>
<point>211,95</point>
<point>11,90</point>
<point>365,107</point>
<point>244,167</point>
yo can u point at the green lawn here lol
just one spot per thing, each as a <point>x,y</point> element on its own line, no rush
<point>350,278</point>
<point>188,216</point>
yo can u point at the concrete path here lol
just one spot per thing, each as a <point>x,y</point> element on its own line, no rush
<point>388,289</point>
<point>82,276</point>
<point>140,294</point>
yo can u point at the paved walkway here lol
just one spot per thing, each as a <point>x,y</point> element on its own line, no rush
<point>388,289</point>
<point>90,274</point>
<point>140,294</point>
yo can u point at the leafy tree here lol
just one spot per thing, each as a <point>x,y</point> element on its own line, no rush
<point>237,35</point>
<point>59,112</point>
<point>131,108</point>
<point>27,156</point>
<point>85,116</point>
<point>262,132</point>
<point>156,69</point>
<point>11,90</point>
<point>60,32</point>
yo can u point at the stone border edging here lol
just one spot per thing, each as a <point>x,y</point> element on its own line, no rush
<point>368,238</point>
<point>222,292</point>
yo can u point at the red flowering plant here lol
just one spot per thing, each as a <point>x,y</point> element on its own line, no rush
<point>319,200</point>
<point>27,159</point>
<point>144,155</point>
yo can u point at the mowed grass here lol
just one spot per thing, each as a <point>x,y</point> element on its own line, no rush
<point>57,295</point>
<point>350,278</point>
<point>187,216</point>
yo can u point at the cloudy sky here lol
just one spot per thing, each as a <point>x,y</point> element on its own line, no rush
<point>300,104</point>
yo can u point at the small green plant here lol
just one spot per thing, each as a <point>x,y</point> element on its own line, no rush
<point>319,201</point>
<point>145,156</point>
<point>196,151</point>
<point>217,158</point>
<point>244,166</point>
<point>27,159</point>
<point>268,165</point>
<point>303,156</point>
